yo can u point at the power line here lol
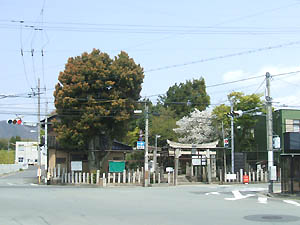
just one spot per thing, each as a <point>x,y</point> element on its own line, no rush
<point>225,56</point>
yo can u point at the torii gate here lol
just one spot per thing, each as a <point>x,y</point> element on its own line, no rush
<point>200,154</point>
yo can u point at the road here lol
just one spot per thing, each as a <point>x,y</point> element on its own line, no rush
<point>22,202</point>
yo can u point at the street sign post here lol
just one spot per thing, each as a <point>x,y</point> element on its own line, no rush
<point>140,145</point>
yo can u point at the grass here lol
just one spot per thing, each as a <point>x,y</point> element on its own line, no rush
<point>7,157</point>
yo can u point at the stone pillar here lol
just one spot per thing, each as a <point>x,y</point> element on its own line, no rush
<point>133,177</point>
<point>76,178</point>
<point>124,176</point>
<point>58,170</point>
<point>87,178</point>
<point>103,180</point>
<point>241,175</point>
<point>98,177</point>
<point>83,177</point>
<point>80,178</point>
<point>73,177</point>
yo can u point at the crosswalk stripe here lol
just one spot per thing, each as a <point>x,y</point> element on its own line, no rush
<point>292,202</point>
<point>262,200</point>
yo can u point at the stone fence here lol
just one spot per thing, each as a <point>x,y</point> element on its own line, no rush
<point>10,168</point>
<point>253,177</point>
<point>109,179</point>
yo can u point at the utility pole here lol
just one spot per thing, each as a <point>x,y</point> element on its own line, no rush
<point>39,129</point>
<point>146,165</point>
<point>232,137</point>
<point>269,126</point>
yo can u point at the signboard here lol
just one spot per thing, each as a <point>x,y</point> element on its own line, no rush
<point>276,142</point>
<point>273,173</point>
<point>169,169</point>
<point>76,165</point>
<point>116,166</point>
<point>140,145</point>
<point>230,176</point>
<point>196,162</point>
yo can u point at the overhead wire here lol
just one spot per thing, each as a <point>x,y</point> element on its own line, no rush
<point>224,56</point>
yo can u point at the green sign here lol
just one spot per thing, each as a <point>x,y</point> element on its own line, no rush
<point>116,166</point>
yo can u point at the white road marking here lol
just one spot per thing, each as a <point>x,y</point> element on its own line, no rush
<point>292,202</point>
<point>238,196</point>
<point>10,184</point>
<point>262,200</point>
<point>212,193</point>
<point>33,184</point>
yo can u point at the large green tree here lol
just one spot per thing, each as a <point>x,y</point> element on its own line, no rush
<point>185,97</point>
<point>95,97</point>
<point>244,124</point>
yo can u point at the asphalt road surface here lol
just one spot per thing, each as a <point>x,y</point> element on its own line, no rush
<point>22,202</point>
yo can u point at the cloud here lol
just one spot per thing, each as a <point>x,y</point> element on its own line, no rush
<point>285,89</point>
<point>234,75</point>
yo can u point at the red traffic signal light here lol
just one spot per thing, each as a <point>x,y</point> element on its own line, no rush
<point>15,121</point>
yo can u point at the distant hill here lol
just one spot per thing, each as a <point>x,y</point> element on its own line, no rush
<point>25,132</point>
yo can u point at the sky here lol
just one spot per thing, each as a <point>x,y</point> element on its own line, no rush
<point>174,41</point>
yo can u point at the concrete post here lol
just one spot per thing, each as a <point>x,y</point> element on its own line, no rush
<point>76,178</point>
<point>124,176</point>
<point>87,178</point>
<point>103,180</point>
<point>133,177</point>
<point>139,177</point>
<point>261,175</point>
<point>158,178</point>
<point>83,177</point>
<point>92,178</point>
<point>108,178</point>
<point>66,178</point>
<point>98,177</point>
<point>128,177</point>
<point>154,181</point>
<point>220,175</point>
<point>119,178</point>
<point>169,178</point>
<point>58,170</point>
<point>54,172</point>
<point>241,175</point>
<point>69,178</point>
<point>80,178</point>
<point>73,177</point>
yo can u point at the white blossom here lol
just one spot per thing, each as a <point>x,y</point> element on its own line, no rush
<point>196,128</point>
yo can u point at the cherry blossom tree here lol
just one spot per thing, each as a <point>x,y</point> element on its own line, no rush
<point>196,128</point>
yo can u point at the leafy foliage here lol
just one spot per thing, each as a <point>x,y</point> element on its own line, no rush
<point>96,95</point>
<point>163,125</point>
<point>183,98</point>
<point>243,126</point>
<point>196,128</point>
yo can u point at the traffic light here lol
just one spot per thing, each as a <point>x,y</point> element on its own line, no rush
<point>15,121</point>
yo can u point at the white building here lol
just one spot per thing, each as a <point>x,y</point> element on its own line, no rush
<point>27,153</point>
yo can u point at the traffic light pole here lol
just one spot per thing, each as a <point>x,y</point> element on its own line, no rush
<point>232,138</point>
